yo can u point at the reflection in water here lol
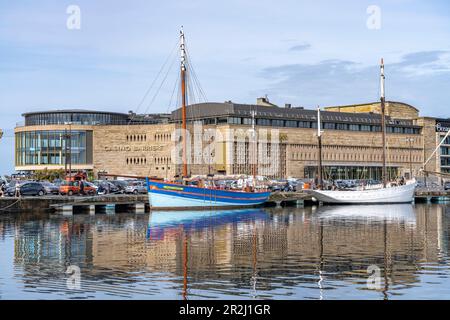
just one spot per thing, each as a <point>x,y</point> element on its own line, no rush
<point>310,253</point>
<point>389,213</point>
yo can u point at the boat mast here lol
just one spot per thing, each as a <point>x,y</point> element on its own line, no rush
<point>319,138</point>
<point>183,99</point>
<point>255,146</point>
<point>383,122</point>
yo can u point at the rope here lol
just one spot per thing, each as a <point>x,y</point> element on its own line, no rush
<point>160,86</point>
<point>435,150</point>
<point>9,206</point>
<point>154,81</point>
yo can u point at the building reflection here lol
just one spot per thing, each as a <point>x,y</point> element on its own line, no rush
<point>247,251</point>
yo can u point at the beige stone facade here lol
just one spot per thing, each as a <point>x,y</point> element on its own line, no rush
<point>147,150</point>
<point>396,110</point>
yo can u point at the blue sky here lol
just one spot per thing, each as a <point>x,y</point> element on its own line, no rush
<point>305,53</point>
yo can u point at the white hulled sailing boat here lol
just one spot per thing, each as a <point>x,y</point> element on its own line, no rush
<point>385,193</point>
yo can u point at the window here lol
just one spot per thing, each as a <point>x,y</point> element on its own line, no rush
<point>277,123</point>
<point>263,122</point>
<point>304,124</point>
<point>234,120</point>
<point>247,121</point>
<point>49,147</point>
<point>291,123</point>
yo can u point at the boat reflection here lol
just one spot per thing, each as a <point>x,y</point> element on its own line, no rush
<point>183,222</point>
<point>159,221</point>
<point>392,213</point>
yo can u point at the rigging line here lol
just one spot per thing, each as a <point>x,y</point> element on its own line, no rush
<point>154,80</point>
<point>194,74</point>
<point>195,88</point>
<point>173,93</point>
<point>191,93</point>
<point>192,80</point>
<point>436,150</point>
<point>197,83</point>
<point>160,86</point>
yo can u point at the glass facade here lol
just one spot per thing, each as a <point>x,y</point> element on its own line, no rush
<point>49,147</point>
<point>351,172</point>
<point>400,129</point>
<point>81,118</point>
<point>445,150</point>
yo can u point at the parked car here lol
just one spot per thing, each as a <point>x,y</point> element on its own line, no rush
<point>106,187</point>
<point>121,184</point>
<point>73,187</point>
<point>92,188</point>
<point>447,185</point>
<point>50,188</point>
<point>11,186</point>
<point>136,187</point>
<point>27,189</point>
<point>69,187</point>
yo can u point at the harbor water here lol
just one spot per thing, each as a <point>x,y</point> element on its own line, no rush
<point>329,252</point>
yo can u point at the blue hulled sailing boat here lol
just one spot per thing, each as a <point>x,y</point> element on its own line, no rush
<point>172,195</point>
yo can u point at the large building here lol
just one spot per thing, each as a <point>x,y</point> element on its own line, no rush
<point>143,145</point>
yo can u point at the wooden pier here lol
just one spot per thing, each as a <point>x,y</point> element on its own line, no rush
<point>139,203</point>
<point>75,204</point>
<point>432,195</point>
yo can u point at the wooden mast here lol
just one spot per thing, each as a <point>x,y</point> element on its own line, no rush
<point>255,146</point>
<point>319,138</point>
<point>183,100</point>
<point>383,123</point>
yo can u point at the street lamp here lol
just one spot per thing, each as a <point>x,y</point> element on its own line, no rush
<point>68,149</point>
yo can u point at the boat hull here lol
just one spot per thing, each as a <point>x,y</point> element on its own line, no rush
<point>399,194</point>
<point>175,196</point>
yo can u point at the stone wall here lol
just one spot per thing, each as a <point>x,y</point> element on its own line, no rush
<point>396,110</point>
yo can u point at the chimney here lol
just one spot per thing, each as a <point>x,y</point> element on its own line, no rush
<point>287,105</point>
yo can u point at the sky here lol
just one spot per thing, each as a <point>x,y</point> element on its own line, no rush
<point>305,53</point>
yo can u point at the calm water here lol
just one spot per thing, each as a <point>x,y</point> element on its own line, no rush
<point>311,253</point>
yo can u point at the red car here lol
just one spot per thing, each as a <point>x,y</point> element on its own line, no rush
<point>73,187</point>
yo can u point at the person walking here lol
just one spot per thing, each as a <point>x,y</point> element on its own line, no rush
<point>2,189</point>
<point>82,188</point>
<point>17,193</point>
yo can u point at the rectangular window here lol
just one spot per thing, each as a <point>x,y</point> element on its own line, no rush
<point>263,122</point>
<point>304,124</point>
<point>277,123</point>
<point>247,121</point>
<point>234,120</point>
<point>291,123</point>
